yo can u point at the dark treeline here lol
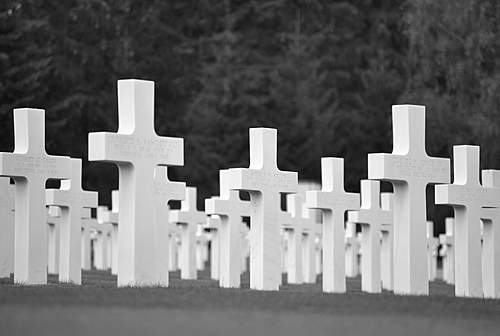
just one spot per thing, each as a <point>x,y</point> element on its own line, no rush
<point>325,73</point>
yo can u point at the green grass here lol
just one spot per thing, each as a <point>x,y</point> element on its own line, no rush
<point>200,307</point>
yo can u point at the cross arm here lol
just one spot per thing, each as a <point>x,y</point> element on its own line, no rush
<point>178,216</point>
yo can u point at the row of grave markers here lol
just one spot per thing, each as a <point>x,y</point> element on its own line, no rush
<point>301,258</point>
<point>143,158</point>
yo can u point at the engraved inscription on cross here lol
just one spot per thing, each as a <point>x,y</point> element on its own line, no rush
<point>165,191</point>
<point>30,167</point>
<point>230,209</point>
<point>71,198</point>
<point>264,181</point>
<point>467,197</point>
<point>333,202</point>
<point>410,170</point>
<point>137,150</point>
<point>371,217</point>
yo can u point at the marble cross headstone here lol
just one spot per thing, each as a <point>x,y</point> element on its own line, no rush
<point>351,250</point>
<point>491,239</point>
<point>71,198</point>
<point>447,252</point>
<point>111,217</point>
<point>53,239</point>
<point>7,227</point>
<point>467,197</point>
<point>165,191</point>
<point>102,243</point>
<point>188,217</point>
<point>333,201</point>
<point>410,170</point>
<point>371,217</point>
<point>213,224</point>
<point>432,251</point>
<point>30,167</point>
<point>137,150</point>
<point>295,228</point>
<point>387,252</point>
<point>312,228</point>
<point>86,251</point>
<point>201,248</point>
<point>265,182</point>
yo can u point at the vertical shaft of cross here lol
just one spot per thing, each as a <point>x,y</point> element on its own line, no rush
<point>30,239</point>
<point>410,266</point>
<point>263,250</point>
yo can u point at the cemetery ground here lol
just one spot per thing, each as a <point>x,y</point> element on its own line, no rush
<point>200,307</point>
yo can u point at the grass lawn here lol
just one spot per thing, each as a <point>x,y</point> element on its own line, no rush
<point>201,308</point>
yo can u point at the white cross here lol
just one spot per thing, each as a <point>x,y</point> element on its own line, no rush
<point>111,217</point>
<point>387,252</point>
<point>137,150</point>
<point>30,167</point>
<point>201,248</point>
<point>491,237</point>
<point>7,232</point>
<point>213,224</point>
<point>432,247</point>
<point>87,223</point>
<point>188,217</point>
<point>333,201</point>
<point>71,198</point>
<point>264,181</point>
<point>447,252</point>
<point>165,191</point>
<point>295,229</point>
<point>467,196</point>
<point>312,229</point>
<point>54,239</point>
<point>371,217</point>
<point>351,247</point>
<point>102,241</point>
<point>410,170</point>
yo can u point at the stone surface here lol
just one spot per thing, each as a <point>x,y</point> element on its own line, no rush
<point>265,182</point>
<point>165,191</point>
<point>447,252</point>
<point>213,225</point>
<point>432,251</point>
<point>201,248</point>
<point>189,218</point>
<point>410,170</point>
<point>7,199</point>
<point>467,197</point>
<point>87,223</point>
<point>230,208</point>
<point>137,150</point>
<point>387,252</point>
<point>53,239</point>
<point>30,167</point>
<point>491,239</point>
<point>312,230</point>
<point>371,217</point>
<point>71,199</point>
<point>112,218</point>
<point>295,229</point>
<point>102,240</point>
<point>333,201</point>
<point>351,250</point>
